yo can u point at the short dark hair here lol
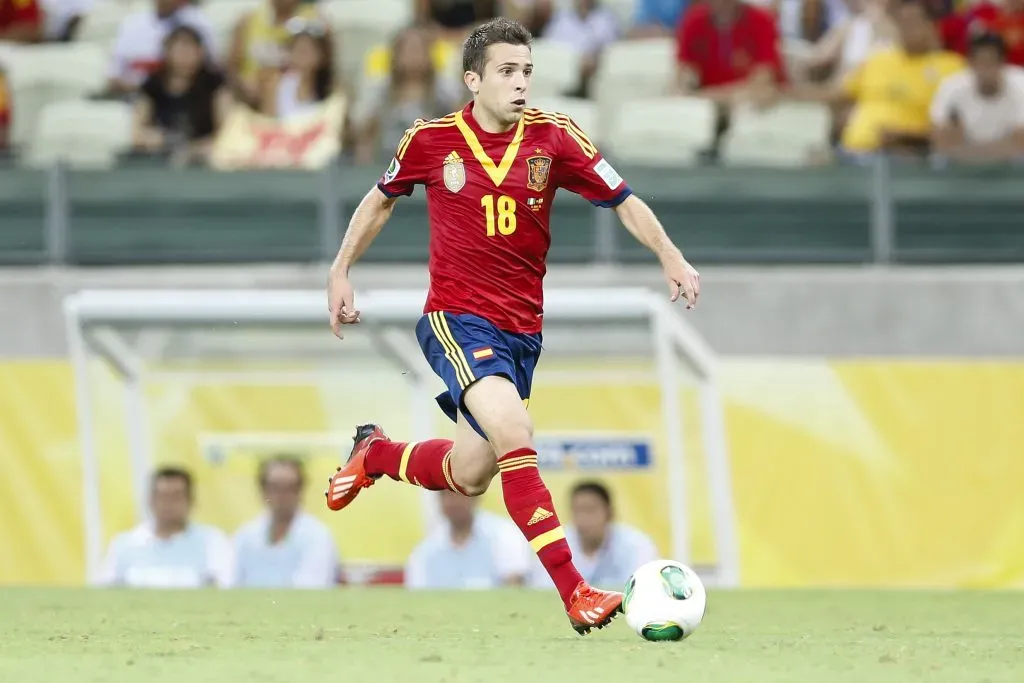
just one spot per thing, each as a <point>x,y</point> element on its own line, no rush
<point>982,40</point>
<point>292,461</point>
<point>172,472</point>
<point>493,32</point>
<point>595,488</point>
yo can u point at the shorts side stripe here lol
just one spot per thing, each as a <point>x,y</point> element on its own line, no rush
<point>451,350</point>
<point>461,357</point>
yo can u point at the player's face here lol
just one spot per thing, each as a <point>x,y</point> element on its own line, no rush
<point>457,509</point>
<point>591,516</point>
<point>170,501</point>
<point>282,489</point>
<point>504,86</point>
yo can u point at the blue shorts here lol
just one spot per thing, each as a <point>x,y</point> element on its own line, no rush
<point>463,348</point>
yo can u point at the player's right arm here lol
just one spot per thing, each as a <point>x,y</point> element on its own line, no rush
<point>406,171</point>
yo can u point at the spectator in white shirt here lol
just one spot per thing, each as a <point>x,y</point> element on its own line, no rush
<point>471,549</point>
<point>978,114</point>
<point>587,28</point>
<point>140,41</point>
<point>170,551</point>
<point>285,547</point>
<point>605,552</point>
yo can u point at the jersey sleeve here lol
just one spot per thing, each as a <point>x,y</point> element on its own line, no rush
<point>583,171</point>
<point>408,168</point>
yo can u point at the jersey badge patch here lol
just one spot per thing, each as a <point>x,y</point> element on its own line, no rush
<point>538,170</point>
<point>392,171</point>
<point>454,172</point>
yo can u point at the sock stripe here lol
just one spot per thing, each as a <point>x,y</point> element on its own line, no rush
<point>545,539</point>
<point>515,468</point>
<point>404,464</point>
<point>509,463</point>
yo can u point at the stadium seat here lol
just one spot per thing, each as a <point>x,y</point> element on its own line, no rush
<point>633,69</point>
<point>84,134</point>
<point>556,68</point>
<point>101,24</point>
<point>780,136</point>
<point>583,112</point>
<point>625,11</point>
<point>661,131</point>
<point>41,74</point>
<point>360,25</point>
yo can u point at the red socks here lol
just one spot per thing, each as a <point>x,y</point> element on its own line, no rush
<point>528,502</point>
<point>423,463</point>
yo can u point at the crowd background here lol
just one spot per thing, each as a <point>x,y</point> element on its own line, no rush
<point>236,83</point>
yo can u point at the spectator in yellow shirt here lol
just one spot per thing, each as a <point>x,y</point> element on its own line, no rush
<point>893,89</point>
<point>443,53</point>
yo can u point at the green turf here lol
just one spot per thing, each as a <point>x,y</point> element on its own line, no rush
<point>389,636</point>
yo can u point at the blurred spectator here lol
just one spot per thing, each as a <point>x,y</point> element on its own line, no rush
<point>728,50</point>
<point>455,17</point>
<point>978,114</point>
<point>657,18</point>
<point>140,41</point>
<point>307,80</point>
<point>606,552</point>
<point>588,28</point>
<point>471,549</point>
<point>21,21</point>
<point>259,45</point>
<point>414,89</point>
<point>170,551</point>
<point>285,547</point>
<point>893,90</point>
<point>63,18</point>
<point>181,105</point>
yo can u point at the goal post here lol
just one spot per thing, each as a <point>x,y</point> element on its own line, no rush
<point>625,382</point>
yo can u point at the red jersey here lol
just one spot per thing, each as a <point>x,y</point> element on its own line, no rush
<point>725,55</point>
<point>489,202</point>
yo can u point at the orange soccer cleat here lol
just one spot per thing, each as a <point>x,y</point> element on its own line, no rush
<point>349,480</point>
<point>592,608</point>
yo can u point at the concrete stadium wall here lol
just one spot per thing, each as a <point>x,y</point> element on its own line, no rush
<point>835,311</point>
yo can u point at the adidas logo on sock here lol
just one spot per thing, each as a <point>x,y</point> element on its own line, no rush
<point>539,515</point>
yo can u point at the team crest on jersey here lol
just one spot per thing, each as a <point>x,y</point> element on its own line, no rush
<point>454,172</point>
<point>538,169</point>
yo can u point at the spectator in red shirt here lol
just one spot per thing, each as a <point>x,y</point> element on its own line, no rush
<point>728,51</point>
<point>725,46</point>
<point>21,21</point>
<point>1005,20</point>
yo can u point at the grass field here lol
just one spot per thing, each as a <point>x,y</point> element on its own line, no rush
<point>388,636</point>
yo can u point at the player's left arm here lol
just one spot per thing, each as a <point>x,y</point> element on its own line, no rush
<point>585,172</point>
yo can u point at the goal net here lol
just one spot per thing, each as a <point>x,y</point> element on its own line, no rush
<point>626,393</point>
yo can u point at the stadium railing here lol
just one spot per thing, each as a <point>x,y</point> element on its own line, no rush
<point>882,213</point>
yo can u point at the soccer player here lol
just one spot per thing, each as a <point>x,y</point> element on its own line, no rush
<point>490,171</point>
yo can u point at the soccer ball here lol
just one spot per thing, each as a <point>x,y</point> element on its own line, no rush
<point>664,600</point>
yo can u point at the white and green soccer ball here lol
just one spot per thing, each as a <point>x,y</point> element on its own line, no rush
<point>664,600</point>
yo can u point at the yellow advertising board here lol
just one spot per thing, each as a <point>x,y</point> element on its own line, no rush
<point>883,473</point>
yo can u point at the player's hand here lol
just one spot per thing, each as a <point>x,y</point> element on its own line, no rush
<point>682,279</point>
<point>340,301</point>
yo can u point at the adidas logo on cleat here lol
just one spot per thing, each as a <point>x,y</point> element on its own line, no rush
<point>539,515</point>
